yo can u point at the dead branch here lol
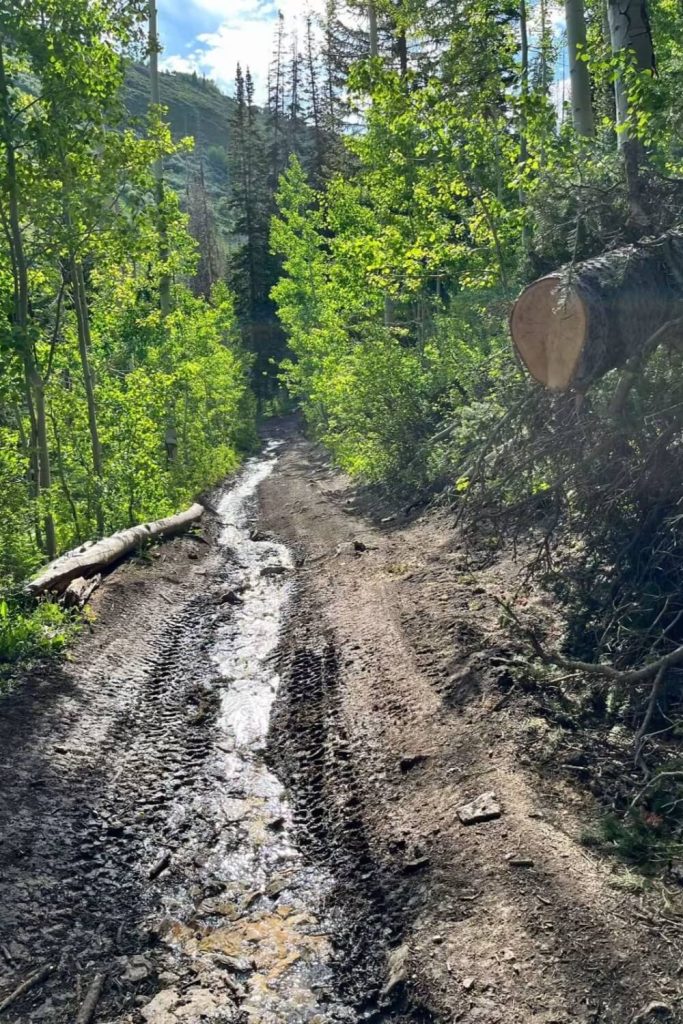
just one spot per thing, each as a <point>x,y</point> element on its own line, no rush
<point>651,706</point>
<point>629,677</point>
<point>650,783</point>
<point>85,1014</point>
<point>26,986</point>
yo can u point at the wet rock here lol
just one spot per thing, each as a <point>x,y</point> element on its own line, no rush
<point>258,536</point>
<point>273,570</point>
<point>483,808</point>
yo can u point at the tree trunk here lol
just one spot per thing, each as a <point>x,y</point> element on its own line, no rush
<point>524,90</point>
<point>164,280</point>
<point>20,316</point>
<point>630,30</point>
<point>572,327</point>
<point>93,558</point>
<point>84,345</point>
<point>402,46</point>
<point>582,106</point>
<point>374,39</point>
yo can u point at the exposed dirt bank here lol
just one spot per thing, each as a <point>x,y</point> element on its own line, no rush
<point>143,834</point>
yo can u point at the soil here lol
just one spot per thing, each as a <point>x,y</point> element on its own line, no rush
<point>400,700</point>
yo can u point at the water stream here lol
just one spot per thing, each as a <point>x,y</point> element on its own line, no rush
<point>272,924</point>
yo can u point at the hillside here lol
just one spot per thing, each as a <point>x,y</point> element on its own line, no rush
<point>196,108</point>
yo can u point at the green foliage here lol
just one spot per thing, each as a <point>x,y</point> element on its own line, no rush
<point>27,633</point>
<point>138,412</point>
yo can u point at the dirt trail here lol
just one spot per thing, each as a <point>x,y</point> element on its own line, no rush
<point>511,920</point>
<point>145,834</point>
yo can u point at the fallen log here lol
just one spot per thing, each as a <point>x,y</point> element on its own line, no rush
<point>573,326</point>
<point>91,559</point>
<point>79,590</point>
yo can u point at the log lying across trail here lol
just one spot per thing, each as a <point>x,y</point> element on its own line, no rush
<point>572,326</point>
<point>90,559</point>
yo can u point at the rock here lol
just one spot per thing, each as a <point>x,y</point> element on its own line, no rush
<point>411,761</point>
<point>398,973</point>
<point>238,964</point>
<point>159,1010</point>
<point>359,546</point>
<point>655,1010</point>
<point>273,570</point>
<point>467,984</point>
<point>484,808</point>
<point>411,867</point>
<point>137,969</point>
<point>230,597</point>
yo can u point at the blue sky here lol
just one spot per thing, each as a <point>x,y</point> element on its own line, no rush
<point>211,36</point>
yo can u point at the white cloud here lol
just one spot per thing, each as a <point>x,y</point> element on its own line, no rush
<point>244,35</point>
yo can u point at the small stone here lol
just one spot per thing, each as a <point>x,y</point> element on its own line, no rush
<point>467,984</point>
<point>398,961</point>
<point>484,808</point>
<point>520,862</point>
<point>411,761</point>
<point>273,570</point>
<point>437,939</point>
<point>238,964</point>
<point>359,546</point>
<point>417,864</point>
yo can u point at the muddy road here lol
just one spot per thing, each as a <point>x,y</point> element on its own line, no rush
<point>237,799</point>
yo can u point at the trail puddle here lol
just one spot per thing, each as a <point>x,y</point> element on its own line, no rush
<point>263,920</point>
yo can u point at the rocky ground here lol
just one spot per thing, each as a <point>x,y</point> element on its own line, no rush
<point>384,897</point>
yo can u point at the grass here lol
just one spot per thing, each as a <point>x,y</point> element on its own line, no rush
<point>648,842</point>
<point>28,632</point>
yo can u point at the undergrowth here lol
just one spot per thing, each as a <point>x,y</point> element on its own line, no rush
<point>29,632</point>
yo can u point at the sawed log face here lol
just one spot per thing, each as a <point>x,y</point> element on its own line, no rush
<point>573,326</point>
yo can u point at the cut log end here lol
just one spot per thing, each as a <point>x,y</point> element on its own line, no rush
<point>549,326</point>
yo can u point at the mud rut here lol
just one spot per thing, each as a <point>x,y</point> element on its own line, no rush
<point>144,830</point>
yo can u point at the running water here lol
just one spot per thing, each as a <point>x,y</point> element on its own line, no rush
<point>271,899</point>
